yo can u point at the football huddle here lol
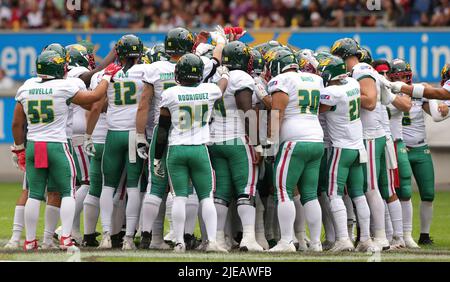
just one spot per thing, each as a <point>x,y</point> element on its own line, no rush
<point>255,144</point>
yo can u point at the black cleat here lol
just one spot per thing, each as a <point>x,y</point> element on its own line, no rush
<point>89,240</point>
<point>146,238</point>
<point>191,242</point>
<point>117,241</point>
<point>425,239</point>
<point>272,243</point>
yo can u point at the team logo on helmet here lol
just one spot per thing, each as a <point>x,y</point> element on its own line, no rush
<point>58,60</point>
<point>335,46</point>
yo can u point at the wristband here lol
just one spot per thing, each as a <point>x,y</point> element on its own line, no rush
<point>259,149</point>
<point>19,147</point>
<point>392,98</point>
<point>418,90</point>
<point>225,76</point>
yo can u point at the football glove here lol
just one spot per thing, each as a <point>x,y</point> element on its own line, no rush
<point>142,146</point>
<point>158,168</point>
<point>18,156</point>
<point>218,36</point>
<point>396,87</point>
<point>111,71</point>
<point>88,145</point>
<point>223,72</point>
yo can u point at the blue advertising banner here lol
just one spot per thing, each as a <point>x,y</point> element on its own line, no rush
<point>427,50</point>
<point>6,115</point>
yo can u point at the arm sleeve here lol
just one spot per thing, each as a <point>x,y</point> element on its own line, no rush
<point>163,136</point>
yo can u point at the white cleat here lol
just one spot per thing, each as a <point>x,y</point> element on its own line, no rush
<point>221,241</point>
<point>159,245</point>
<point>382,243</point>
<point>58,232</point>
<point>128,244</point>
<point>213,247</point>
<point>77,237</point>
<point>12,245</point>
<point>179,248</point>
<point>250,245</point>
<point>262,241</point>
<point>284,247</point>
<point>315,247</point>
<point>343,245</point>
<point>66,244</point>
<point>367,246</point>
<point>327,245</point>
<point>202,246</point>
<point>410,243</point>
<point>48,246</point>
<point>170,236</point>
<point>302,242</point>
<point>106,241</point>
<point>397,243</point>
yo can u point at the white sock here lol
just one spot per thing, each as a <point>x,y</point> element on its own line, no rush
<point>19,223</point>
<point>269,217</point>
<point>313,215</point>
<point>363,211</point>
<point>259,216</point>
<point>351,216</point>
<point>90,213</point>
<point>388,223</point>
<point>247,215</point>
<point>426,216</point>
<point>119,214</point>
<point>179,217</point>
<point>327,217</point>
<point>222,213</point>
<point>286,218</point>
<point>340,217</point>
<point>209,215</point>
<point>31,214</point>
<point>132,210</point>
<point>395,211</point>
<point>51,220</point>
<point>376,206</point>
<point>191,213</point>
<point>407,214</point>
<point>158,225</point>
<point>169,203</point>
<point>141,211</point>
<point>106,208</point>
<point>151,210</point>
<point>80,195</point>
<point>203,234</point>
<point>67,212</point>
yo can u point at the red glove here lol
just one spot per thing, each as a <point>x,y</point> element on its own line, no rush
<point>18,157</point>
<point>111,71</point>
<point>235,32</point>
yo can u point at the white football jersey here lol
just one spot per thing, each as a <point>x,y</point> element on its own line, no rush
<point>190,109</point>
<point>371,120</point>
<point>301,121</point>
<point>384,118</point>
<point>326,135</point>
<point>227,121</point>
<point>343,120</point>
<point>46,105</point>
<point>101,128</point>
<point>414,134</point>
<point>395,120</point>
<point>79,114</point>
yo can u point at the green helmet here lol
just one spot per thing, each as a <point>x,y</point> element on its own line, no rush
<point>78,56</point>
<point>58,48</point>
<point>90,49</point>
<point>332,68</point>
<point>366,57</point>
<point>179,41</point>
<point>282,61</point>
<point>445,74</point>
<point>258,61</point>
<point>129,46</point>
<point>157,53</point>
<point>400,68</point>
<point>50,65</point>
<point>264,47</point>
<point>271,52</point>
<point>322,55</point>
<point>236,56</point>
<point>346,47</point>
<point>189,69</point>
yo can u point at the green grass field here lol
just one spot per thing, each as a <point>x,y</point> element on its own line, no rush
<point>440,231</point>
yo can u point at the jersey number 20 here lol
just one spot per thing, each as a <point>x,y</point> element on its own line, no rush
<point>308,101</point>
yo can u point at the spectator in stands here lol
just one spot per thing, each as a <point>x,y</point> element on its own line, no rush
<point>6,83</point>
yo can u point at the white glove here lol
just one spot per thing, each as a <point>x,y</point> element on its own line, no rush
<point>158,169</point>
<point>88,145</point>
<point>142,146</point>
<point>386,96</point>
<point>218,36</point>
<point>203,48</point>
<point>223,72</point>
<point>396,87</point>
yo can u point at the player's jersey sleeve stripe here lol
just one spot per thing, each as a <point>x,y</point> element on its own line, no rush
<point>365,76</point>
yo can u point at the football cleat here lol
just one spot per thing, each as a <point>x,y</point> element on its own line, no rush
<point>48,246</point>
<point>283,247</point>
<point>67,243</point>
<point>425,239</point>
<point>106,241</point>
<point>327,245</point>
<point>190,241</point>
<point>262,241</point>
<point>12,245</point>
<point>250,245</point>
<point>128,243</point>
<point>170,236</point>
<point>202,246</point>
<point>343,245</point>
<point>76,236</point>
<point>397,243</point>
<point>30,246</point>
<point>146,237</point>
<point>212,246</point>
<point>159,245</point>
<point>90,240</point>
<point>367,246</point>
<point>179,248</point>
<point>410,243</point>
<point>315,247</point>
<point>220,239</point>
<point>382,243</point>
